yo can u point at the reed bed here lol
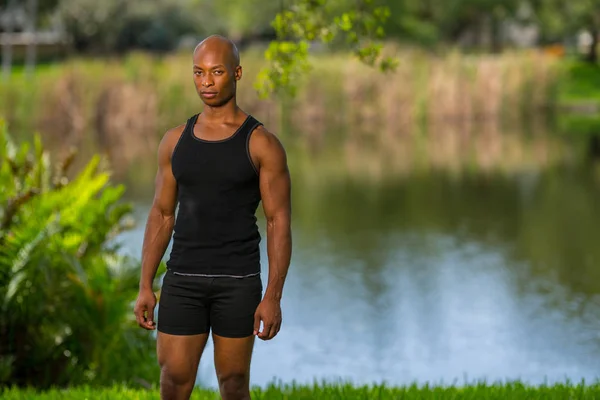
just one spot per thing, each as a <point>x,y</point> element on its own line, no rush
<point>121,107</point>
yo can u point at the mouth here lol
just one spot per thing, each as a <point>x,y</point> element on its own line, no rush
<point>209,95</point>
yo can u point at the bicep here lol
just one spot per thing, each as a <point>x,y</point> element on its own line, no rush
<point>165,186</point>
<point>275,182</point>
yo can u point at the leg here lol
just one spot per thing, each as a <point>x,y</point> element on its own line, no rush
<point>232,318</point>
<point>232,364</point>
<point>183,326</point>
<point>178,357</point>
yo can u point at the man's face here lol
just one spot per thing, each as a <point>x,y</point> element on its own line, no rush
<point>215,74</point>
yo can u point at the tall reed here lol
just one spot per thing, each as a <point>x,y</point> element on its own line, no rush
<point>123,106</point>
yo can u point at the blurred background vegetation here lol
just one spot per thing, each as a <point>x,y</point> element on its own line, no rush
<point>464,87</point>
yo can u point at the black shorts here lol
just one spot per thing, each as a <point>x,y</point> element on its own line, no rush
<point>191,305</point>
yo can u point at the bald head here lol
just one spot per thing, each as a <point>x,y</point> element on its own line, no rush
<point>220,47</point>
<point>217,70</point>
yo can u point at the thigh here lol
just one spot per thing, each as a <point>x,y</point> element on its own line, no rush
<point>233,304</point>
<point>183,307</point>
<point>179,355</point>
<point>233,357</point>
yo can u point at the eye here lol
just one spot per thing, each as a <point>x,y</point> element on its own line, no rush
<point>218,72</point>
<point>197,72</point>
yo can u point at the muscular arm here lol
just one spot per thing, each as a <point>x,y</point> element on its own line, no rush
<point>159,228</point>
<point>161,218</point>
<point>275,188</point>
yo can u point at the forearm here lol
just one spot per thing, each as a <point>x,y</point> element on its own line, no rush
<point>159,229</point>
<point>279,252</point>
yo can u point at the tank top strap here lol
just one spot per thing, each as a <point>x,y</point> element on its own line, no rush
<point>243,133</point>
<point>249,126</point>
<point>189,126</point>
<point>186,134</point>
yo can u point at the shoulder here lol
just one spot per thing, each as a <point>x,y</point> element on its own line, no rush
<point>265,141</point>
<point>169,141</point>
<point>172,135</point>
<point>267,149</point>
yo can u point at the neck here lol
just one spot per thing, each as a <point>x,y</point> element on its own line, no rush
<point>226,112</point>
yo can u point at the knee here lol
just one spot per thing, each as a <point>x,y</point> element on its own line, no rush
<point>176,374</point>
<point>234,386</point>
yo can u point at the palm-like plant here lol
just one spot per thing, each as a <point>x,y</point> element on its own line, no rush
<point>65,292</point>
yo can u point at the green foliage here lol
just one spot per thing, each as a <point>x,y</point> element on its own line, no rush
<point>118,25</point>
<point>579,92</point>
<point>92,24</point>
<point>580,81</point>
<point>513,391</point>
<point>237,19</point>
<point>299,26</point>
<point>288,65</point>
<point>157,25</point>
<point>415,20</point>
<point>306,22</point>
<point>65,293</point>
<point>559,20</point>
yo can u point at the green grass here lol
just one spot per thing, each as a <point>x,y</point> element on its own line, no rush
<point>479,391</point>
<point>579,124</point>
<point>581,82</point>
<point>579,97</point>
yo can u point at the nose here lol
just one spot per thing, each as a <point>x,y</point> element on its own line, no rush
<point>207,82</point>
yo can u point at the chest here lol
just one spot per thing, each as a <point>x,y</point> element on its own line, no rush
<point>209,165</point>
<point>212,132</point>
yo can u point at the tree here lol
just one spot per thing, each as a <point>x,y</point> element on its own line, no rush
<point>238,19</point>
<point>356,25</point>
<point>559,18</point>
<point>44,7</point>
<point>93,24</point>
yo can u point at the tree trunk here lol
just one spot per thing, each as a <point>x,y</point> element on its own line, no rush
<point>495,35</point>
<point>592,56</point>
<point>7,45</point>
<point>31,30</point>
<point>594,147</point>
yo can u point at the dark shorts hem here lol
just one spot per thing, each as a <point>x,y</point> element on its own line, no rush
<point>180,331</point>
<point>231,335</point>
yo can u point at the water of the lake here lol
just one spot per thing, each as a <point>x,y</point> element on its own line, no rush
<point>427,277</point>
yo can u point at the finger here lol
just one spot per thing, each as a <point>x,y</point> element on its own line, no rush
<point>139,316</point>
<point>277,329</point>
<point>256,323</point>
<point>150,317</point>
<point>274,331</point>
<point>264,335</point>
<point>149,322</point>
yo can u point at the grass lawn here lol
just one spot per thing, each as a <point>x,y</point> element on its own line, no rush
<point>580,83</point>
<point>482,391</point>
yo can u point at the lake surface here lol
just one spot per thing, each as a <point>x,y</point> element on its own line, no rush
<point>434,278</point>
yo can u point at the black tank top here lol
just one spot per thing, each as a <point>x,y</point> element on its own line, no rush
<point>215,231</point>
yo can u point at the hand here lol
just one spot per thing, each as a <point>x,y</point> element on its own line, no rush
<point>144,309</point>
<point>269,312</point>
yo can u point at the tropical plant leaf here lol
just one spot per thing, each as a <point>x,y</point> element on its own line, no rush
<point>65,293</point>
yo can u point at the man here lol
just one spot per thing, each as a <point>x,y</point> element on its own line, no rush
<point>218,167</point>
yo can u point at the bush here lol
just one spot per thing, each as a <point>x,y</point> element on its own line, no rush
<point>580,82</point>
<point>65,293</point>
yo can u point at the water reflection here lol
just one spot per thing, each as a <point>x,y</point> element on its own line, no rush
<point>434,278</point>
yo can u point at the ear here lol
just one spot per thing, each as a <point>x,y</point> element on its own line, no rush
<point>238,72</point>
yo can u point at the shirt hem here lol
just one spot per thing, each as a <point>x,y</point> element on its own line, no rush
<point>216,275</point>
